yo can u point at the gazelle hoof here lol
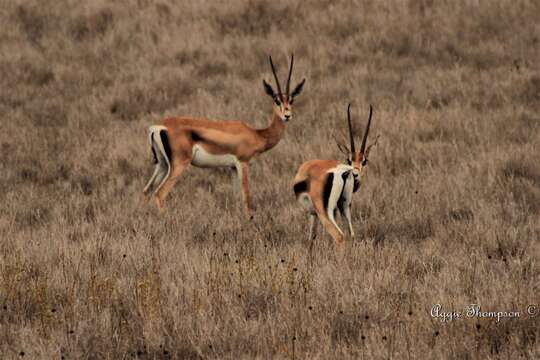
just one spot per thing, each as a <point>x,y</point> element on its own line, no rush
<point>159,205</point>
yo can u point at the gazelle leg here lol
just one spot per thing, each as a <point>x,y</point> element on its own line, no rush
<point>243,176</point>
<point>330,226</point>
<point>333,230</point>
<point>312,227</point>
<point>160,170</point>
<point>161,177</point>
<point>166,187</point>
<point>312,235</point>
<point>327,212</point>
<point>347,214</point>
<point>332,218</point>
<point>148,186</point>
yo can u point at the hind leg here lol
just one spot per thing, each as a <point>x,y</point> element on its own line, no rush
<point>168,184</point>
<point>347,214</point>
<point>160,173</point>
<point>161,168</point>
<point>329,225</point>
<point>312,235</point>
<point>333,230</point>
<point>150,183</point>
<point>312,227</point>
<point>160,177</point>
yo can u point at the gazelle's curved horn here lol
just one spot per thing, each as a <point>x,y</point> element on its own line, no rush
<point>275,75</point>
<point>351,133</point>
<point>364,140</point>
<point>289,77</point>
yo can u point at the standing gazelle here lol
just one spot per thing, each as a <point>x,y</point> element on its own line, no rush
<point>180,141</point>
<point>325,186</point>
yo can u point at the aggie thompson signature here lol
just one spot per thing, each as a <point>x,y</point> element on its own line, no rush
<point>475,310</point>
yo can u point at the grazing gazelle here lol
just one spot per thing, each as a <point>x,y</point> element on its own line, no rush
<point>325,186</point>
<point>180,141</point>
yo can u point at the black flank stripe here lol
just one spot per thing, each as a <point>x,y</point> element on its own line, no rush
<point>327,189</point>
<point>195,136</point>
<point>300,187</point>
<point>166,145</point>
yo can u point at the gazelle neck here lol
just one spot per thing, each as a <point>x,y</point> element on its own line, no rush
<point>273,133</point>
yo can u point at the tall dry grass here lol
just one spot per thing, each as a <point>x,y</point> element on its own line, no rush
<point>449,212</point>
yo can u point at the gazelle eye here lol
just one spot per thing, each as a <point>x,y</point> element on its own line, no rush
<point>364,162</point>
<point>276,100</point>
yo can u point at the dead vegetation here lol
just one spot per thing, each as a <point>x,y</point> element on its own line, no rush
<point>448,213</point>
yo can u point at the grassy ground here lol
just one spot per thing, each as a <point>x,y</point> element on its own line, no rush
<point>449,213</point>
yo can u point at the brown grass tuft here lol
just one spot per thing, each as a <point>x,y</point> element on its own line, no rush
<point>33,23</point>
<point>89,27</point>
<point>447,214</point>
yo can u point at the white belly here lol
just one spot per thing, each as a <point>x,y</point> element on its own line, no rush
<point>203,159</point>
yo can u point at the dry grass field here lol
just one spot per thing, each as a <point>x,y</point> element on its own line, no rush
<point>448,214</point>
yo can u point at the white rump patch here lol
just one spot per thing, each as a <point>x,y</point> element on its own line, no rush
<point>163,167</point>
<point>338,185</point>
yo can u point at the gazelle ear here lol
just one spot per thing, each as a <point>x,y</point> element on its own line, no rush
<point>268,89</point>
<point>298,89</point>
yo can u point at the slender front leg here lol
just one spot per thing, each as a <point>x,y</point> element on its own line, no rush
<point>243,176</point>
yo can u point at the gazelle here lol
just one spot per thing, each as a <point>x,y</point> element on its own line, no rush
<point>325,186</point>
<point>180,141</point>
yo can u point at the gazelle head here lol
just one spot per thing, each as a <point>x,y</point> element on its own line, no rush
<point>283,100</point>
<point>358,159</point>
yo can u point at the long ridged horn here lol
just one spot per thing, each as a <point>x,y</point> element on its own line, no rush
<point>364,140</point>
<point>290,74</point>
<point>351,133</point>
<point>275,76</point>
